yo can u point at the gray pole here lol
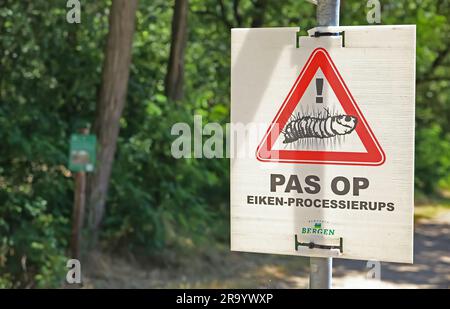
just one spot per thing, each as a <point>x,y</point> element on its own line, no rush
<point>320,272</point>
<point>328,12</point>
<point>321,268</point>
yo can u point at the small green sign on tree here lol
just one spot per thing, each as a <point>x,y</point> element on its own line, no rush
<point>82,153</point>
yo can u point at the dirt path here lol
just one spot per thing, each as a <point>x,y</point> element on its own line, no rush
<point>219,268</point>
<point>431,268</point>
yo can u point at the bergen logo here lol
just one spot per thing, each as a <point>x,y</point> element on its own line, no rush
<point>317,229</point>
<point>319,122</point>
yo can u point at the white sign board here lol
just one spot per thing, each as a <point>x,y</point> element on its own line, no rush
<point>322,156</point>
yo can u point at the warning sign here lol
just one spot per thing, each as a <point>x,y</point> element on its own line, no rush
<point>313,132</point>
<point>325,165</point>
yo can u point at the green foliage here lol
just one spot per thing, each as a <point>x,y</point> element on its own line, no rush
<point>436,167</point>
<point>157,200</point>
<point>49,80</point>
<point>43,90</point>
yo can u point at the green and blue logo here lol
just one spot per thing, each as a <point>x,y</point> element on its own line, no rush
<point>317,229</point>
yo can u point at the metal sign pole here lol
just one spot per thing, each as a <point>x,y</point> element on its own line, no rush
<point>327,13</point>
<point>320,272</point>
<point>320,276</point>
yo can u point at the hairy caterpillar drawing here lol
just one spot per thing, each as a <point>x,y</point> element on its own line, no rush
<point>318,127</point>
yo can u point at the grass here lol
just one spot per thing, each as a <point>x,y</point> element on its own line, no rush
<point>214,266</point>
<point>431,210</point>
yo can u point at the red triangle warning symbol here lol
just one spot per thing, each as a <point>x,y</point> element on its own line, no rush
<point>373,154</point>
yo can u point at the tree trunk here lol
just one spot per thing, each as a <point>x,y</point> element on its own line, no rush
<point>110,103</point>
<point>258,18</point>
<point>175,72</point>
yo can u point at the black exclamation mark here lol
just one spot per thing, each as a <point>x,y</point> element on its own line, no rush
<point>319,88</point>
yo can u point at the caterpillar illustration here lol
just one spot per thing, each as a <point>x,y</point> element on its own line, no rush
<point>318,127</point>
